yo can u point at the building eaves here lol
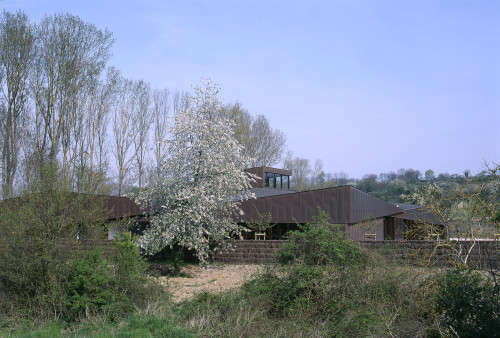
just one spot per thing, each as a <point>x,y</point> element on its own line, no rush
<point>267,192</point>
<point>407,206</point>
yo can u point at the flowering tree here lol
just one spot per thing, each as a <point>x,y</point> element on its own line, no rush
<point>201,180</point>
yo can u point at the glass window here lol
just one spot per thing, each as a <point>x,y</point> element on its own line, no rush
<point>285,180</point>
<point>278,181</point>
<point>268,178</point>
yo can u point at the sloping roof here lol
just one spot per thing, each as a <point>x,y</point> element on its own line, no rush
<point>113,207</point>
<point>344,204</point>
<point>406,206</point>
<point>418,213</point>
<point>266,192</point>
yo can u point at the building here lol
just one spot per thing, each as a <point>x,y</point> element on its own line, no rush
<point>363,216</point>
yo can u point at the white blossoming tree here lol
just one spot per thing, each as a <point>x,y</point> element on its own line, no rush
<point>201,180</point>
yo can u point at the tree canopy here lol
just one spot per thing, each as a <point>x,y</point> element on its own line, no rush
<point>200,179</point>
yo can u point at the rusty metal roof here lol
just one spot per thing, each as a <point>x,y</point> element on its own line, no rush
<point>344,204</point>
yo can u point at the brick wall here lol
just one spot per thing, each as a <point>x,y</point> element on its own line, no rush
<point>247,252</point>
<point>483,254</point>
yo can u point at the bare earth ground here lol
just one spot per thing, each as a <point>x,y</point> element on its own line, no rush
<point>213,279</point>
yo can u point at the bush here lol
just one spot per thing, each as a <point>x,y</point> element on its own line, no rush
<point>38,232</point>
<point>320,243</point>
<point>129,267</point>
<point>90,284</point>
<point>51,279</point>
<point>112,285</point>
<point>469,303</point>
<point>324,285</point>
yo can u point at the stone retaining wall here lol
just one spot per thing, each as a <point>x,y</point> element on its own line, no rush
<point>484,254</point>
<point>247,252</point>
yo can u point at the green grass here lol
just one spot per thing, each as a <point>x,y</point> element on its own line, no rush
<point>376,301</point>
<point>134,326</point>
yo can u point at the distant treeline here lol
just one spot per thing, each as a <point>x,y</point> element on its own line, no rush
<point>389,186</point>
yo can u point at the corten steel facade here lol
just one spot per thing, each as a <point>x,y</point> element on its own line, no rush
<point>119,207</point>
<point>363,216</point>
<point>344,204</point>
<point>113,207</point>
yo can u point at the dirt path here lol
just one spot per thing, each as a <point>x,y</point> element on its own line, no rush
<point>214,278</point>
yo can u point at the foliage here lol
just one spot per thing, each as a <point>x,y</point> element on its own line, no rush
<point>16,55</point>
<point>112,285</point>
<point>201,176</point>
<point>469,302</point>
<point>137,325</point>
<point>323,287</point>
<point>469,210</point>
<point>320,243</point>
<point>425,194</point>
<point>301,171</point>
<point>41,275</point>
<point>37,232</point>
<point>90,284</point>
<point>261,222</point>
<point>261,143</point>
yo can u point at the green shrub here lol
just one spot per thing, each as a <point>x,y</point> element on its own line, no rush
<point>469,303</point>
<point>320,243</point>
<point>42,276</point>
<point>90,284</point>
<point>324,285</point>
<point>38,232</point>
<point>129,267</point>
<point>112,285</point>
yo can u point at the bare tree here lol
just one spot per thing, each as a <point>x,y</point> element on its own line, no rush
<point>180,101</point>
<point>301,171</point>
<point>262,143</point>
<point>71,53</point>
<point>16,58</point>
<point>129,104</point>
<point>340,178</point>
<point>318,175</point>
<point>99,108</point>
<point>266,144</point>
<point>89,136</point>
<point>242,120</point>
<point>161,111</point>
<point>144,119</point>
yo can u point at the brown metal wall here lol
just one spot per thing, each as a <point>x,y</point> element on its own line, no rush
<point>113,207</point>
<point>361,231</point>
<point>366,207</point>
<point>119,207</point>
<point>345,205</point>
<point>420,215</point>
<point>302,206</point>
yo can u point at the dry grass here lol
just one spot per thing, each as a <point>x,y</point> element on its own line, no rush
<point>213,279</point>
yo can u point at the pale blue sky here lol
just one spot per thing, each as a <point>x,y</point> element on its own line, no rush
<point>368,86</point>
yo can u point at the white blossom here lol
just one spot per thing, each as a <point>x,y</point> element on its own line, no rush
<point>200,178</point>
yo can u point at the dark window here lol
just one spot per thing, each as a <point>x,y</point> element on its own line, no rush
<point>273,180</point>
<point>285,180</point>
<point>270,180</point>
